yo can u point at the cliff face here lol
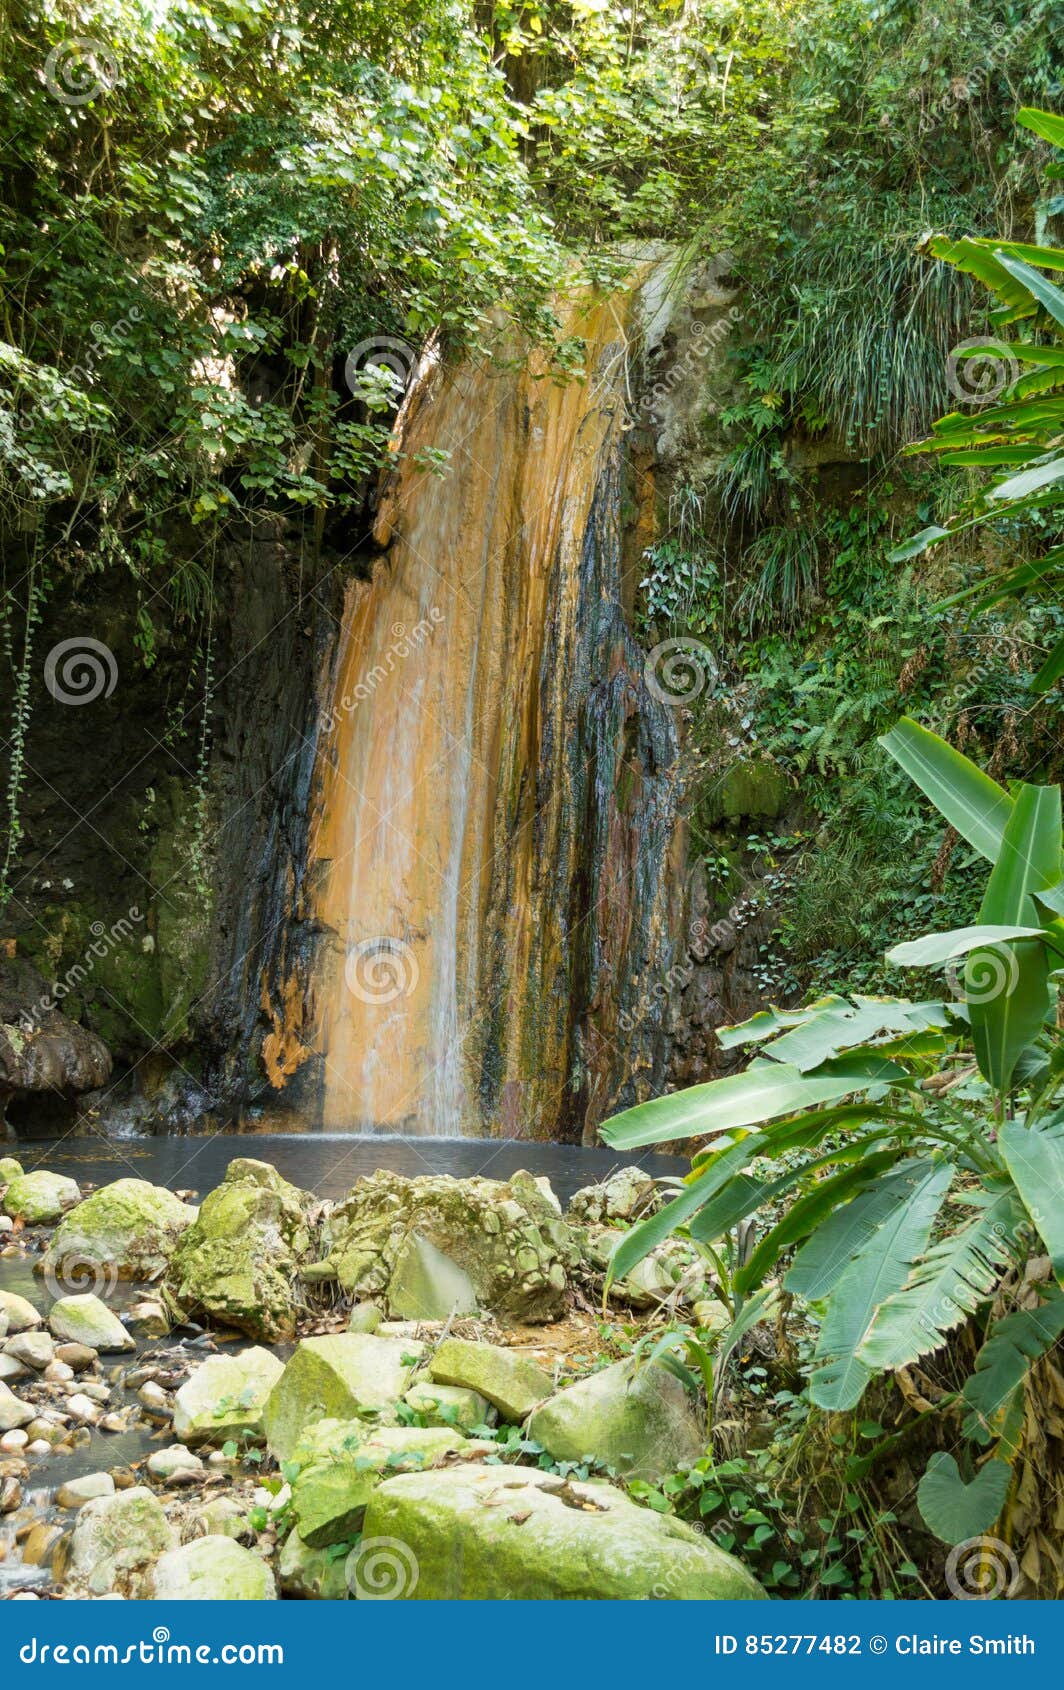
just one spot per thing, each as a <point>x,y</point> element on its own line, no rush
<point>418,863</point>
<point>495,848</point>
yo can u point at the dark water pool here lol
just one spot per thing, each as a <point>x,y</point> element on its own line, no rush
<point>327,1163</point>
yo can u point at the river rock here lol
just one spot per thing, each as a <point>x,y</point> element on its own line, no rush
<point>637,1419</point>
<point>14,1413</point>
<point>511,1533</point>
<point>175,1464</point>
<point>21,1315</point>
<point>33,1349</point>
<point>309,1573</point>
<point>673,1270</point>
<point>148,1320</point>
<point>10,1368</point>
<point>450,1405</point>
<point>427,1285</point>
<point>211,1569</point>
<point>507,1238</point>
<point>337,1378</point>
<point>364,1317</point>
<point>626,1195</point>
<point>223,1516</point>
<point>341,1463</point>
<point>115,1535</point>
<point>76,1492</point>
<point>78,1356</point>
<point>86,1320</point>
<point>239,1261</point>
<point>9,1170</point>
<point>130,1228</point>
<point>225,1397</point>
<point>511,1382</point>
<point>40,1197</point>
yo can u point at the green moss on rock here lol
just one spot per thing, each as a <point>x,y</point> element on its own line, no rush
<point>477,1532</point>
<point>130,1226</point>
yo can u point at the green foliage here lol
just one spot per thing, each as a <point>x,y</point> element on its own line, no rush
<point>885,1265</point>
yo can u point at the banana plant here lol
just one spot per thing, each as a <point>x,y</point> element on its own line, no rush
<point>1020,438</point>
<point>908,1190</point>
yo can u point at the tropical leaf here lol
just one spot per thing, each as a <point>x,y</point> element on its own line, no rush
<point>956,1511</point>
<point>1051,671</point>
<point>1007,987</point>
<point>1034,1157</point>
<point>820,1264</point>
<point>945,1287</point>
<point>763,1092</point>
<point>970,801</point>
<point>1047,296</point>
<point>1014,1343</point>
<point>1045,124</point>
<point>936,948</point>
<point>806,1214</point>
<point>1028,481</point>
<point>880,1267</point>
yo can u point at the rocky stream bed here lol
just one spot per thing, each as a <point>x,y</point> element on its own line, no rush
<point>406,1391</point>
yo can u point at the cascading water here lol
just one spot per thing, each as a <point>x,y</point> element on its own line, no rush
<point>494,836</point>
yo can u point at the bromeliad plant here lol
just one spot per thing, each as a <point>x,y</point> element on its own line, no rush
<point>908,1190</point>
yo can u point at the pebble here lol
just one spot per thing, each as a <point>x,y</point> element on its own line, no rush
<point>149,1319</point>
<point>39,1447</point>
<point>78,1491</point>
<point>57,1373</point>
<point>40,1543</point>
<point>10,1369</point>
<point>84,1408</point>
<point>78,1356</point>
<point>114,1423</point>
<point>95,1392</point>
<point>10,1495</point>
<point>32,1349</point>
<point>154,1399</point>
<point>6,1225</point>
<point>124,1478</point>
<point>15,1439</point>
<point>176,1464</point>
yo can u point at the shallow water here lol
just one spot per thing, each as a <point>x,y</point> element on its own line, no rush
<point>329,1163</point>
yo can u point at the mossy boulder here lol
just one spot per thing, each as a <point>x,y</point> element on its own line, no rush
<point>226,1398</point>
<point>40,1197</point>
<point>130,1226</point>
<point>239,1261</point>
<point>450,1405</point>
<point>114,1536</point>
<point>310,1573</point>
<point>343,1377</point>
<point>341,1463</point>
<point>211,1569</point>
<point>9,1170</point>
<point>637,1419</point>
<point>511,1382</point>
<point>427,1285</point>
<point>86,1320</point>
<point>508,1239</point>
<point>477,1532</point>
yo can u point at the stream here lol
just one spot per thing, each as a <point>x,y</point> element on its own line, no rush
<point>327,1164</point>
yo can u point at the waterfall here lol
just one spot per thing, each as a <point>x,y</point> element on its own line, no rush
<point>494,843</point>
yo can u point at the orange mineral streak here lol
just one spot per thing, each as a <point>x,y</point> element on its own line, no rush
<point>427,875</point>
